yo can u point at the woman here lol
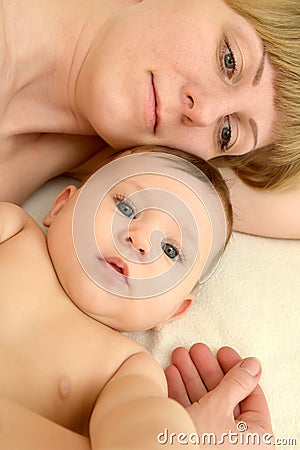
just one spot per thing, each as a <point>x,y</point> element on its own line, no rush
<point>213,78</point>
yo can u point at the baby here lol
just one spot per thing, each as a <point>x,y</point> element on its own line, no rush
<point>123,252</point>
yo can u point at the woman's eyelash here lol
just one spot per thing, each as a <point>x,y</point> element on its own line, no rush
<point>227,60</point>
<point>224,135</point>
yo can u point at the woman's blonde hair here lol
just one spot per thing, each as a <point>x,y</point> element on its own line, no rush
<point>277,22</point>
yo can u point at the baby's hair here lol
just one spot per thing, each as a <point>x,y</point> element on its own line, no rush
<point>275,166</point>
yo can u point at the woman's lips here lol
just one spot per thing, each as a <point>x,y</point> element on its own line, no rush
<point>151,107</point>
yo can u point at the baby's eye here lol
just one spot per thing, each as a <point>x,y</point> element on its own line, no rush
<point>126,209</point>
<point>124,206</point>
<point>170,250</point>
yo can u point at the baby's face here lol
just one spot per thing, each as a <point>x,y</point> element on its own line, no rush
<point>152,236</point>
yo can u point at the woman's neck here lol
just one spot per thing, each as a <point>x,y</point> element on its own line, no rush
<point>46,43</point>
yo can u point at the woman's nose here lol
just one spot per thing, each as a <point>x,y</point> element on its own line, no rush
<point>200,108</point>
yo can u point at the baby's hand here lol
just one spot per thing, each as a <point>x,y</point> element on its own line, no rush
<point>197,381</point>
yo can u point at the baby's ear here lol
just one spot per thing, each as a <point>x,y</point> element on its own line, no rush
<point>58,203</point>
<point>182,309</point>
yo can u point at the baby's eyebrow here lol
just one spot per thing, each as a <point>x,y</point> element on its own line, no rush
<point>132,183</point>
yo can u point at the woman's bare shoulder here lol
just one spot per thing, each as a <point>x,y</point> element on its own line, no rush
<point>274,214</point>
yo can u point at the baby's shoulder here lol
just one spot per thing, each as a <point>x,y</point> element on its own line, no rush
<point>121,353</point>
<point>14,220</point>
<point>117,346</point>
<point>132,359</point>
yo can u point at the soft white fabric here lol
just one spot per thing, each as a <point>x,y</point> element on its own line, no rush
<point>251,303</point>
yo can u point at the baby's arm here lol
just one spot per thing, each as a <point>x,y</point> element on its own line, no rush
<point>22,429</point>
<point>12,220</point>
<point>133,409</point>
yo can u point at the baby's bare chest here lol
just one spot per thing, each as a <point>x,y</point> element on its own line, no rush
<point>54,359</point>
<point>42,373</point>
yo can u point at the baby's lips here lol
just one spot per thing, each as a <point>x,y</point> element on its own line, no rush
<point>118,264</point>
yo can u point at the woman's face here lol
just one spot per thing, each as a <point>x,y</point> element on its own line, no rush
<point>186,74</point>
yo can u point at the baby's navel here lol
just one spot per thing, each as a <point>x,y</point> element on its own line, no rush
<point>64,387</point>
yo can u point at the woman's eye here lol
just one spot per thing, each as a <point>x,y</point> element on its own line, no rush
<point>228,62</point>
<point>125,209</point>
<point>170,250</point>
<point>224,135</point>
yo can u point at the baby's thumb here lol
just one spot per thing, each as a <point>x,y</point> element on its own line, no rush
<point>239,382</point>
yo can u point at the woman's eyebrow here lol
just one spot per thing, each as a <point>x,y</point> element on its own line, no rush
<point>259,72</point>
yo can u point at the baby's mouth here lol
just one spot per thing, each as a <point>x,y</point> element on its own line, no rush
<point>118,265</point>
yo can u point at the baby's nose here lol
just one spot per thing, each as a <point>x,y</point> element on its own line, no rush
<point>138,245</point>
